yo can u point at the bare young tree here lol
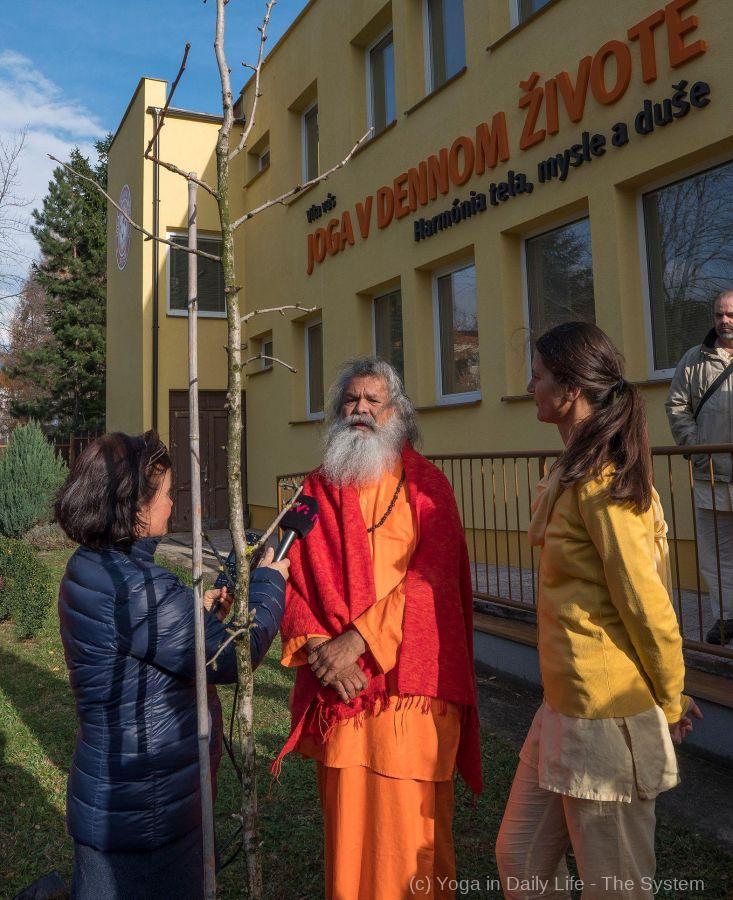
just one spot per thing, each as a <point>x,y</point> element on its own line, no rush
<point>237,322</point>
<point>13,222</point>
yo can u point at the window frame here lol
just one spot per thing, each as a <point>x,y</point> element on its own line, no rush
<point>260,156</point>
<point>381,296</point>
<point>183,313</point>
<point>465,396</point>
<point>267,365</point>
<point>368,64</point>
<point>319,415</point>
<point>689,172</point>
<point>515,19</point>
<point>535,233</point>
<point>430,85</point>
<point>304,140</point>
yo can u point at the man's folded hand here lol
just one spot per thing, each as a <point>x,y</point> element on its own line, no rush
<point>332,658</point>
<point>350,682</point>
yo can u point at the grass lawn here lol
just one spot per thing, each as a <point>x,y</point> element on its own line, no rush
<point>37,727</point>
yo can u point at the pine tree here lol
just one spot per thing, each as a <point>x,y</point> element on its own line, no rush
<point>71,230</point>
<point>26,386</point>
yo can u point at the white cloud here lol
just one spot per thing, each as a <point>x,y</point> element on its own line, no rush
<point>53,123</point>
<point>30,100</point>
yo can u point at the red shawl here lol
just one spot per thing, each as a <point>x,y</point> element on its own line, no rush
<point>332,583</point>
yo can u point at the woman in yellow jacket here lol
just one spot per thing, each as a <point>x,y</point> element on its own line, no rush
<point>600,746</point>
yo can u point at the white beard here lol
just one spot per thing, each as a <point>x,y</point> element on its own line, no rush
<point>359,457</point>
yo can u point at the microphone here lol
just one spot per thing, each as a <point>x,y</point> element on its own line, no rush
<point>297,522</point>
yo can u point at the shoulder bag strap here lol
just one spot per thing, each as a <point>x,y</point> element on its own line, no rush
<point>727,371</point>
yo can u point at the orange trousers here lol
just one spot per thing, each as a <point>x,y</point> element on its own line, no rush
<point>386,838</point>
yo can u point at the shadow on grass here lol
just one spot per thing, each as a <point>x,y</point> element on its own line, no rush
<point>32,830</point>
<point>44,703</point>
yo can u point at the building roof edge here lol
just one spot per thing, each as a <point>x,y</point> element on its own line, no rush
<point>276,46</point>
<point>142,79</point>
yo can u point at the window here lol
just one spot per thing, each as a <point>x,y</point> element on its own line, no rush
<point>210,278</point>
<point>559,271</point>
<point>446,40</point>
<point>380,61</point>
<point>525,9</point>
<point>689,249</point>
<point>459,375</point>
<point>266,350</point>
<point>314,370</point>
<point>310,143</point>
<point>388,330</point>
<point>263,160</point>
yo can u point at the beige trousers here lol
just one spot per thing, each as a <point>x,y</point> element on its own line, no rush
<point>613,843</point>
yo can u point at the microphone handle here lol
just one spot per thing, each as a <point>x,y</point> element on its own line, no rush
<point>285,544</point>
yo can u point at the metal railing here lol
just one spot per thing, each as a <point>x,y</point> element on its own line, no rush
<point>494,493</point>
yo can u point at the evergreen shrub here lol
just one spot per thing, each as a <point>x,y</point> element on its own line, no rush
<point>27,590</point>
<point>30,476</point>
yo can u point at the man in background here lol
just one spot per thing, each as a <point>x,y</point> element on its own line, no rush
<point>700,411</point>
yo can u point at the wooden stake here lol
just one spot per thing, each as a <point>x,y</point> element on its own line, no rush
<point>202,706</point>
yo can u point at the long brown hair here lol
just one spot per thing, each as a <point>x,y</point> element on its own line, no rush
<point>582,356</point>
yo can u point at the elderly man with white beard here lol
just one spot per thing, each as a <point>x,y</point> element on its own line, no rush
<point>378,624</point>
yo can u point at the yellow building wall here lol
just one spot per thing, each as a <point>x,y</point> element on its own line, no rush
<point>129,312</point>
<point>322,57</point>
<point>328,49</point>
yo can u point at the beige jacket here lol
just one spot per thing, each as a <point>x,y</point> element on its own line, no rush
<point>696,371</point>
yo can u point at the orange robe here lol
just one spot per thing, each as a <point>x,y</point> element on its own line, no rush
<point>386,780</point>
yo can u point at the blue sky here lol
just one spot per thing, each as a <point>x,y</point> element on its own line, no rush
<point>68,69</point>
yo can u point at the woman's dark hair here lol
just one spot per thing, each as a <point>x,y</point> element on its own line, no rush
<point>582,356</point>
<point>115,476</point>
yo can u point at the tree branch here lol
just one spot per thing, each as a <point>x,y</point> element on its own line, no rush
<point>227,642</point>
<point>279,309</point>
<point>302,187</point>
<point>255,549</point>
<point>164,111</point>
<point>220,559</point>
<point>257,69</point>
<point>272,359</point>
<point>148,234</point>
<point>273,525</point>
<point>189,176</point>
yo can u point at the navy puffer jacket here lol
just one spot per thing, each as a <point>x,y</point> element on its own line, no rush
<point>127,630</point>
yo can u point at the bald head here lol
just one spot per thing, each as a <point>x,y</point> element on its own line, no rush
<point>723,318</point>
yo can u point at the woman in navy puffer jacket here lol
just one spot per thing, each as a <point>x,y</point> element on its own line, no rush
<point>127,626</point>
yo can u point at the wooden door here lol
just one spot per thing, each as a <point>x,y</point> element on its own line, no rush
<point>212,436</point>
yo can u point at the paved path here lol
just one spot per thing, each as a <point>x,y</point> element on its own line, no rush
<point>177,548</point>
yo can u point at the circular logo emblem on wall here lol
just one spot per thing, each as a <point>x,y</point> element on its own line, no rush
<point>123,227</point>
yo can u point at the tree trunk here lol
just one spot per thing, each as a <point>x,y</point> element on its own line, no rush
<point>202,707</point>
<point>244,710</point>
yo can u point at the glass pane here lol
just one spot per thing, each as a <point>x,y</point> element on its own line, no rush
<point>315,368</point>
<point>381,63</point>
<point>210,276</point>
<point>458,322</point>
<point>447,39</point>
<point>266,351</point>
<point>310,124</point>
<point>689,239</point>
<point>265,159</point>
<point>388,330</point>
<point>528,8</point>
<point>560,278</point>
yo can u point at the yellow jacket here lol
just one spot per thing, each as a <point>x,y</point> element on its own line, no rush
<point>609,641</point>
